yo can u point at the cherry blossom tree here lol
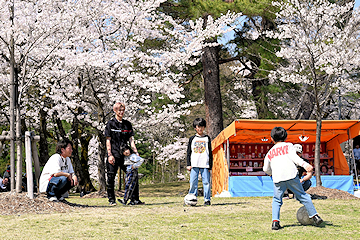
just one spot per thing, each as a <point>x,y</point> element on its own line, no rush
<point>320,44</point>
<point>31,32</point>
<point>73,60</point>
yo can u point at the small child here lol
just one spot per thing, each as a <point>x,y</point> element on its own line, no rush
<point>280,162</point>
<point>132,163</point>
<point>199,159</point>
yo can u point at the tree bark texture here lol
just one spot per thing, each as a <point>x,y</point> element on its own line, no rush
<point>43,144</point>
<point>317,151</point>
<point>307,106</point>
<point>213,103</point>
<point>81,163</point>
<point>85,183</point>
<point>101,162</point>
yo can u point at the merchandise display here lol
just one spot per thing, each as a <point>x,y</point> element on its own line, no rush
<point>247,159</point>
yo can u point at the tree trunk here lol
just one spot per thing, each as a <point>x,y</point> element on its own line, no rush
<point>317,151</point>
<point>81,163</point>
<point>18,149</point>
<point>318,135</point>
<point>101,162</point>
<point>85,181</point>
<point>12,105</point>
<point>43,144</point>
<point>262,108</point>
<point>307,105</point>
<point>75,154</point>
<point>213,104</point>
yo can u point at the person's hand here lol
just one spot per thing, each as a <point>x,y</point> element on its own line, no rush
<point>69,177</point>
<point>188,168</point>
<point>309,168</point>
<point>75,180</point>
<point>111,160</point>
<point>301,180</point>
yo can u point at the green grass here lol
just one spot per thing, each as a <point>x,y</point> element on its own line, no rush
<point>165,217</point>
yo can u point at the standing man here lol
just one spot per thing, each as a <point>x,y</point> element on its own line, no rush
<point>118,133</point>
<point>58,175</point>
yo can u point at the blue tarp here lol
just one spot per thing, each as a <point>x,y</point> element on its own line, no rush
<point>260,186</point>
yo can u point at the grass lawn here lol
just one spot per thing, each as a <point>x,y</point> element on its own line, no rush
<point>165,217</point>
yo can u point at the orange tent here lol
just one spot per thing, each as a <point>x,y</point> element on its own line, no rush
<point>333,132</point>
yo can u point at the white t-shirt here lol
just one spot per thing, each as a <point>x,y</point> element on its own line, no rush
<point>281,161</point>
<point>200,152</point>
<point>55,164</point>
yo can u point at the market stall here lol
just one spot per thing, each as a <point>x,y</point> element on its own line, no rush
<point>240,148</point>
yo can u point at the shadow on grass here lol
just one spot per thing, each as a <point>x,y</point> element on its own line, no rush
<point>153,204</point>
<point>217,204</point>
<point>323,225</point>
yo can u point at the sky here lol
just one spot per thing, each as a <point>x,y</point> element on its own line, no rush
<point>230,35</point>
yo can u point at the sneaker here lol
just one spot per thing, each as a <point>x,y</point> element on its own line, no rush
<point>275,225</point>
<point>112,204</point>
<point>53,199</point>
<point>207,203</point>
<point>61,199</point>
<point>317,220</point>
<point>122,201</point>
<point>136,202</point>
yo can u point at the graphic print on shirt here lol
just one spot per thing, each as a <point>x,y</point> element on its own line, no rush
<point>278,151</point>
<point>65,166</point>
<point>199,147</point>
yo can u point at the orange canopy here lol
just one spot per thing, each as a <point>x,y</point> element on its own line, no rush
<point>333,132</point>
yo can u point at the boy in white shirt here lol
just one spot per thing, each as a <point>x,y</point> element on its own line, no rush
<point>199,159</point>
<point>280,162</point>
<point>58,176</point>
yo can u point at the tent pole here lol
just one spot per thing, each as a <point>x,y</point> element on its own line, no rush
<point>353,157</point>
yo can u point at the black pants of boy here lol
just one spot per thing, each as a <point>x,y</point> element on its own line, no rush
<point>132,186</point>
<point>111,173</point>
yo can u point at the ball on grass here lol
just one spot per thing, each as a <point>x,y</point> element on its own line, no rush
<point>190,200</point>
<point>303,216</point>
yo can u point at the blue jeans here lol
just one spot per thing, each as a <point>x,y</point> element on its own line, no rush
<point>306,185</point>
<point>57,186</point>
<point>296,187</point>
<point>194,180</point>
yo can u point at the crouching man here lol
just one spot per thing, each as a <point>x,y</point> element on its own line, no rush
<point>58,175</point>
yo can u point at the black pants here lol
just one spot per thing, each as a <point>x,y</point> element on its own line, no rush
<point>111,173</point>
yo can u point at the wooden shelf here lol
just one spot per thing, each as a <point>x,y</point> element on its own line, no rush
<point>240,168</point>
<point>246,159</point>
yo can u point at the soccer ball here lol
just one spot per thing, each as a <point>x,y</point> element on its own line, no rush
<point>190,200</point>
<point>303,216</point>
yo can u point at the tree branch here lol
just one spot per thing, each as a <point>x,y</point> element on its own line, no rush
<point>192,78</point>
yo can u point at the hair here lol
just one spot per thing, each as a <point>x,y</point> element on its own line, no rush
<point>118,105</point>
<point>199,122</point>
<point>327,169</point>
<point>125,147</point>
<point>62,144</point>
<point>278,134</point>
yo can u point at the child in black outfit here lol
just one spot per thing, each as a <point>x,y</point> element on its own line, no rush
<point>132,163</point>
